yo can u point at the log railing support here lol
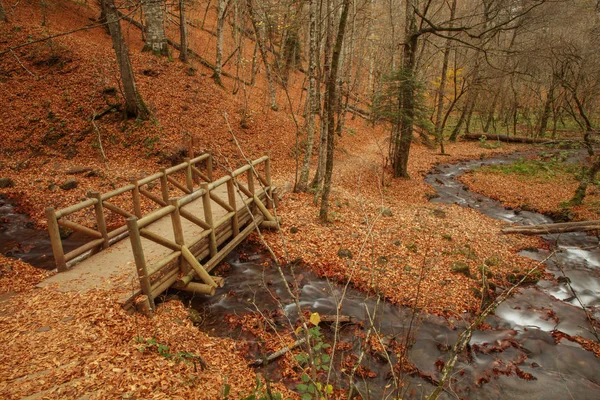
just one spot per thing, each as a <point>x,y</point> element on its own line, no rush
<point>164,185</point>
<point>178,230</point>
<point>55,241</point>
<point>269,187</point>
<point>235,225</point>
<point>189,180</point>
<point>135,197</point>
<point>209,167</point>
<point>208,218</point>
<point>100,220</point>
<point>140,259</point>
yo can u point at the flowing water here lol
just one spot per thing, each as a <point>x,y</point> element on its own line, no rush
<point>517,358</point>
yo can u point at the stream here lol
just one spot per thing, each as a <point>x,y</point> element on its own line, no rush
<point>516,358</point>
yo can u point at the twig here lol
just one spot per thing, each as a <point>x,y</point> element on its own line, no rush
<point>278,353</point>
<point>21,64</point>
<point>99,139</point>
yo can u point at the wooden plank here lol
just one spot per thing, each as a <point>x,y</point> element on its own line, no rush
<point>162,263</point>
<point>82,249</point>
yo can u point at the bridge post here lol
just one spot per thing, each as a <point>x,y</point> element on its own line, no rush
<point>55,241</point>
<point>208,218</point>
<point>177,230</point>
<point>164,185</point>
<point>135,194</point>
<point>209,166</point>
<point>235,226</point>
<point>100,220</point>
<point>189,181</point>
<point>269,183</point>
<point>140,259</point>
<point>251,186</point>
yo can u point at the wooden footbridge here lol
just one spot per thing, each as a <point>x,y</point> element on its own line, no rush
<point>191,217</point>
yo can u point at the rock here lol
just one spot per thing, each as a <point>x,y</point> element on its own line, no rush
<point>382,260</point>
<point>439,213</point>
<point>44,329</point>
<point>397,242</point>
<point>293,229</point>
<point>194,316</point>
<point>386,212</point>
<point>344,253</point>
<point>461,268</point>
<point>69,184</point>
<point>6,183</point>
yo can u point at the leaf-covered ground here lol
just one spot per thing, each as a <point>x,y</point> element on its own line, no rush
<point>542,184</point>
<point>67,345</point>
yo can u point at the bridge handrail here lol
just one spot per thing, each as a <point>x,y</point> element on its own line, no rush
<point>103,238</point>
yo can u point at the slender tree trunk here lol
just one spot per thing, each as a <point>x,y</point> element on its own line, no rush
<point>311,98</point>
<point>156,38</point>
<point>442,90</point>
<point>3,17</point>
<point>134,105</point>
<point>319,174</point>
<point>260,41</point>
<point>546,112</point>
<point>221,10</point>
<point>183,56</point>
<point>330,111</point>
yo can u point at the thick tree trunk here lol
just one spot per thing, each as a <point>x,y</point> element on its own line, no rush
<point>134,105</point>
<point>330,111</point>
<point>546,112</point>
<point>311,97</point>
<point>260,41</point>
<point>183,56</point>
<point>156,39</point>
<point>407,96</point>
<point>588,178</point>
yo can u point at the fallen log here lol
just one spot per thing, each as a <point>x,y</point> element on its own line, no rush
<point>277,354</point>
<point>511,139</point>
<point>562,227</point>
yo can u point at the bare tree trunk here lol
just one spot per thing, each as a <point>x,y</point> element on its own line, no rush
<point>319,174</point>
<point>156,39</point>
<point>442,90</point>
<point>221,11</point>
<point>260,41</point>
<point>403,140</point>
<point>182,32</point>
<point>134,105</point>
<point>546,112</point>
<point>331,89</point>
<point>311,98</point>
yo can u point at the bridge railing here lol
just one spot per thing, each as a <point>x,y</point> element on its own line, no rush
<point>180,266</point>
<point>193,171</point>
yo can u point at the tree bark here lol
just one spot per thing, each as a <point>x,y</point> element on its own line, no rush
<point>134,105</point>
<point>183,56</point>
<point>311,97</point>
<point>156,38</point>
<point>331,89</point>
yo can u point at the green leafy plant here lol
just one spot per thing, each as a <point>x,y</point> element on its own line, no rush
<point>152,345</point>
<point>309,388</point>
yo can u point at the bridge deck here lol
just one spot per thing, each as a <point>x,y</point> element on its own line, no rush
<point>115,269</point>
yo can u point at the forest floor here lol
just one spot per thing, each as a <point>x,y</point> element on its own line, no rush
<point>383,235</point>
